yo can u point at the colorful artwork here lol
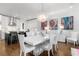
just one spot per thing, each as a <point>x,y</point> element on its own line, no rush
<point>43,25</point>
<point>67,22</point>
<point>53,24</point>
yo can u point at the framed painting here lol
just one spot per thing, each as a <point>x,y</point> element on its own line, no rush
<point>67,22</point>
<point>53,23</point>
<point>43,25</point>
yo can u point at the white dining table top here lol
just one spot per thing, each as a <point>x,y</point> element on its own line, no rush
<point>35,40</point>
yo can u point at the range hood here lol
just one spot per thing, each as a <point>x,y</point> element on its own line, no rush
<point>12,22</point>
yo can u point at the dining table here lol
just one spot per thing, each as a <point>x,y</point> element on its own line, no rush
<point>36,40</point>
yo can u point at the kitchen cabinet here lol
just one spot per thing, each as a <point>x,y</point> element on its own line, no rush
<point>11,38</point>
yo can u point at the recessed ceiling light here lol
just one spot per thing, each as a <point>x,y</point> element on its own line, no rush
<point>71,7</point>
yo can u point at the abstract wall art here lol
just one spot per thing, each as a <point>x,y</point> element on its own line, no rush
<point>67,22</point>
<point>43,25</point>
<point>53,23</point>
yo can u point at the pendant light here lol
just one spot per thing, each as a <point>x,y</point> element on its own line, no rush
<point>42,17</point>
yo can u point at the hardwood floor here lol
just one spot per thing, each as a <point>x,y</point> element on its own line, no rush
<point>13,50</point>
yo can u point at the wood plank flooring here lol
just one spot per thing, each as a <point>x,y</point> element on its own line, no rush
<point>13,50</point>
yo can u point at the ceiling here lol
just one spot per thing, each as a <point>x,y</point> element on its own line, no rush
<point>31,10</point>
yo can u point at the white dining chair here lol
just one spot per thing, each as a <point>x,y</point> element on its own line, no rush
<point>49,45</point>
<point>25,48</point>
<point>66,33</point>
<point>38,50</point>
<point>55,40</point>
<point>73,37</point>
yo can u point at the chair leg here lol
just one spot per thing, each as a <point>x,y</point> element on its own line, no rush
<point>24,54</point>
<point>20,52</point>
<point>55,47</point>
<point>74,43</point>
<point>77,43</point>
<point>52,51</point>
<point>35,54</point>
<point>67,41</point>
<point>48,52</point>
